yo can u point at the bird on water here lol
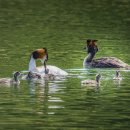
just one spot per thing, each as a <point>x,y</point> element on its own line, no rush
<point>13,80</point>
<point>103,62</point>
<point>117,76</point>
<point>41,54</point>
<point>92,82</point>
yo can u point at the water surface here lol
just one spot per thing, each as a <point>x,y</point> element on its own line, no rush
<point>63,27</point>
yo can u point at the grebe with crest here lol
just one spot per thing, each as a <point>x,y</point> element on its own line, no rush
<point>42,54</point>
<point>103,62</point>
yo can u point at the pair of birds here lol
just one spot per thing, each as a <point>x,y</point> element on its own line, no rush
<point>98,77</point>
<point>92,49</point>
<point>15,78</point>
<point>31,75</point>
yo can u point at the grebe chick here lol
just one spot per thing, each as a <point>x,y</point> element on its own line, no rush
<point>50,77</point>
<point>117,76</point>
<point>31,75</point>
<point>92,82</point>
<point>13,80</point>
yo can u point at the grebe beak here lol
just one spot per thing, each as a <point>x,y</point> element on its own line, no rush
<point>46,56</point>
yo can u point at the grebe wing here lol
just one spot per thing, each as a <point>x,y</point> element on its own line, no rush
<point>110,62</point>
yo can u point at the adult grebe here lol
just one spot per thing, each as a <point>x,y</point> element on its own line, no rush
<point>42,54</point>
<point>103,62</point>
<point>13,80</point>
<point>92,82</point>
<point>117,76</point>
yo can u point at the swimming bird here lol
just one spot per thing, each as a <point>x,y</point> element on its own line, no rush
<point>32,75</point>
<point>103,62</point>
<point>41,54</point>
<point>92,82</point>
<point>117,76</point>
<point>53,70</point>
<point>13,80</point>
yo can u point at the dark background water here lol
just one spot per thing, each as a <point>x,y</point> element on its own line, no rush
<point>63,27</point>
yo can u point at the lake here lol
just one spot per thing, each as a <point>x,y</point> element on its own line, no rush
<point>63,27</point>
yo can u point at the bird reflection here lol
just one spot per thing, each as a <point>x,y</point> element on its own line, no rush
<point>117,82</point>
<point>41,91</point>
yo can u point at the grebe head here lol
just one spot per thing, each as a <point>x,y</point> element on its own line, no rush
<point>88,42</point>
<point>29,75</point>
<point>117,73</point>
<point>40,53</point>
<point>16,75</point>
<point>117,76</point>
<point>92,49</point>
<point>98,77</point>
<point>91,42</point>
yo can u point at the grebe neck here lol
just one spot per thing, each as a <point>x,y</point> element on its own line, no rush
<point>117,74</point>
<point>15,78</point>
<point>88,58</point>
<point>32,64</point>
<point>98,77</point>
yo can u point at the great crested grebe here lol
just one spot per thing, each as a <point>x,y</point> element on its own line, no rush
<point>117,76</point>
<point>41,54</point>
<point>92,82</point>
<point>103,62</point>
<point>13,80</point>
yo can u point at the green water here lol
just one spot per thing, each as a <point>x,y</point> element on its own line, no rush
<point>63,27</point>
